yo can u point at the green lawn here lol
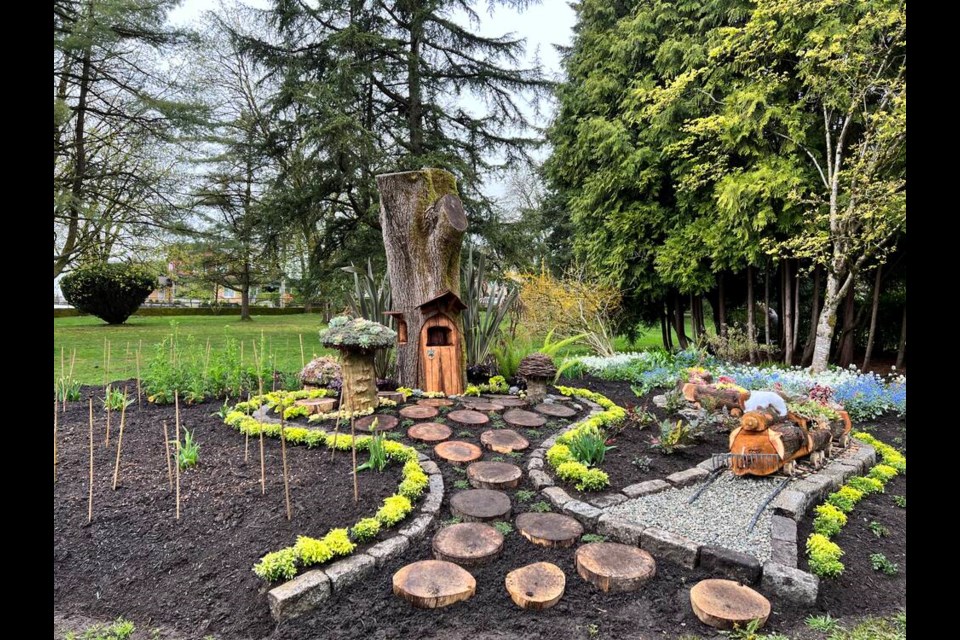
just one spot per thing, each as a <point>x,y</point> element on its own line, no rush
<point>86,334</point>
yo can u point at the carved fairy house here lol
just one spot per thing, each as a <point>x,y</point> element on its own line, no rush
<point>423,224</point>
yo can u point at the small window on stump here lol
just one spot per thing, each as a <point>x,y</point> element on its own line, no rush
<point>438,336</point>
<point>401,331</point>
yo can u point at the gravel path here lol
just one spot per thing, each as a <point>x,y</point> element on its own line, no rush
<point>719,516</point>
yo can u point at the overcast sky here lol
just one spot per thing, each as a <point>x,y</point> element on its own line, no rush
<point>542,25</point>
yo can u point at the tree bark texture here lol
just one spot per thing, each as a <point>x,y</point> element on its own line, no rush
<point>423,225</point>
<point>766,308</point>
<point>722,304</point>
<point>814,314</point>
<point>751,331</point>
<point>678,321</point>
<point>359,391</point>
<point>871,336</point>
<point>788,312</point>
<point>827,320</point>
<point>796,307</point>
<point>902,347</point>
<point>848,332</point>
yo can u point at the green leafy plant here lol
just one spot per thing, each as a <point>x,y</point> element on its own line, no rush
<point>829,520</point>
<point>748,631</point>
<point>845,498</point>
<point>67,389</point>
<point>224,410</point>
<point>900,501</point>
<point>377,451</point>
<point>879,562</point>
<point>365,529</point>
<point>642,463</point>
<point>482,322</point>
<point>866,485</point>
<point>189,453</point>
<point>505,528</point>
<point>673,436</point>
<point>541,507</point>
<point>673,401</point>
<point>592,537</point>
<point>120,629</point>
<point>461,484</point>
<point>115,399</point>
<point>824,556</point>
<point>589,447</point>
<point>525,495</point>
<point>369,299</point>
<point>110,291</point>
<point>883,473</point>
<point>452,521</point>
<point>823,623</point>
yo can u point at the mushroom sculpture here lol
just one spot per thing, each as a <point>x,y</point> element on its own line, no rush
<point>357,339</point>
<point>537,369</point>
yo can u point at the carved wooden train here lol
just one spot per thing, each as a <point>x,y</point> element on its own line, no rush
<point>766,442</point>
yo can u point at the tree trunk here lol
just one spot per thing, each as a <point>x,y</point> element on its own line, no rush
<point>415,101</point>
<point>751,328</point>
<point>902,347</point>
<point>694,322</point>
<point>423,225</point>
<point>827,321</point>
<point>814,314</point>
<point>848,332</point>
<point>873,320</point>
<point>722,304</point>
<point>245,293</point>
<point>766,307</point>
<point>664,330</point>
<point>795,284</point>
<point>678,321</point>
<point>788,312</point>
<point>359,391</point>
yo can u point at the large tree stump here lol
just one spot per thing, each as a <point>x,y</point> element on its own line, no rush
<point>549,529</point>
<point>423,224</point>
<point>524,419</point>
<point>419,412</point>
<point>536,586</point>
<point>613,567</point>
<point>429,432</point>
<point>503,440</point>
<point>480,505</point>
<point>494,475</point>
<point>458,452</point>
<point>469,544</point>
<point>725,603</point>
<point>430,584</point>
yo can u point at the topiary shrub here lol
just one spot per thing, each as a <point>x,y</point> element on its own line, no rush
<point>112,292</point>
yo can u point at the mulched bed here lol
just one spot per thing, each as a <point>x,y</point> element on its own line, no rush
<point>859,588</point>
<point>195,574</point>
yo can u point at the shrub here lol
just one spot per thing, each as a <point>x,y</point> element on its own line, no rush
<point>866,485</point>
<point>339,542</point>
<point>829,520</point>
<point>394,509</point>
<point>589,446</point>
<point>110,291</point>
<point>558,454</point>
<point>365,529</point>
<point>312,551</point>
<point>879,562</point>
<point>824,556</point>
<point>845,498</point>
<point>277,565</point>
<point>883,473</point>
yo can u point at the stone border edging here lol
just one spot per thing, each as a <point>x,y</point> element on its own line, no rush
<point>778,576</point>
<point>306,591</point>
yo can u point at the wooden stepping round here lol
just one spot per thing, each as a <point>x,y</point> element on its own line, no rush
<point>525,419</point>
<point>429,432</point>
<point>503,440</point>
<point>555,410</point>
<point>613,567</point>
<point>458,452</point>
<point>469,544</point>
<point>319,405</point>
<point>494,475</point>
<point>468,418</point>
<point>536,586</point>
<point>430,584</point>
<point>549,529</point>
<point>394,396</point>
<point>419,412</point>
<point>725,603</point>
<point>482,405</point>
<point>480,505</point>
<point>435,402</point>
<point>384,423</point>
<point>507,401</point>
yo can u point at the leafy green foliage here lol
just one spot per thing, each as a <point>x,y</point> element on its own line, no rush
<point>845,498</point>
<point>642,463</point>
<point>541,507</point>
<point>878,529</point>
<point>525,495</point>
<point>589,447</point>
<point>866,485</point>
<point>189,452</point>
<point>673,436</point>
<point>881,563</point>
<point>377,450</point>
<point>115,399</point>
<point>120,629</point>
<point>110,291</point>
<point>505,528</point>
<point>829,520</point>
<point>461,484</point>
<point>67,389</point>
<point>900,501</point>
<point>824,556</point>
<point>592,537</point>
<point>482,323</point>
<point>365,529</point>
<point>824,623</point>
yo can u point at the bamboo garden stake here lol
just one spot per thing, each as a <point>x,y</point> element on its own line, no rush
<point>283,456</point>
<point>263,464</point>
<point>177,471</point>
<point>139,404</point>
<point>90,496</point>
<point>246,435</point>
<point>123,416</point>
<point>166,447</point>
<point>353,446</point>
<point>303,360</point>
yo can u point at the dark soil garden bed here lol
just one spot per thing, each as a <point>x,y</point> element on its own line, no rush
<point>194,574</point>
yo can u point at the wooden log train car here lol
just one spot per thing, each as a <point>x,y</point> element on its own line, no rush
<point>766,442</point>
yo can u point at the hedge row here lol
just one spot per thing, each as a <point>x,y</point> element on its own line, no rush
<point>198,311</point>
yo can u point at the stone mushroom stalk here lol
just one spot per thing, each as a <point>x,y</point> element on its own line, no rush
<point>357,339</point>
<point>537,369</point>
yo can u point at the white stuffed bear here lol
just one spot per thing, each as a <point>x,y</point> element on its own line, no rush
<point>762,399</point>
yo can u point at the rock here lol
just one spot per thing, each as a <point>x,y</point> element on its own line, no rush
<point>670,546</point>
<point>348,571</point>
<point>539,479</point>
<point>645,488</point>
<point>605,500</point>
<point>585,513</point>
<point>790,503</point>
<point>298,596</point>
<point>622,531</point>
<point>417,527</point>
<point>660,400</point>
<point>557,496</point>
<point>535,463</point>
<point>390,548</point>
<point>790,584</point>
<point>686,477</point>
<point>430,468</point>
<point>514,390</point>
<point>731,564</point>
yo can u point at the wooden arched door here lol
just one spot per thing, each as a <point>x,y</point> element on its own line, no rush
<point>440,356</point>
